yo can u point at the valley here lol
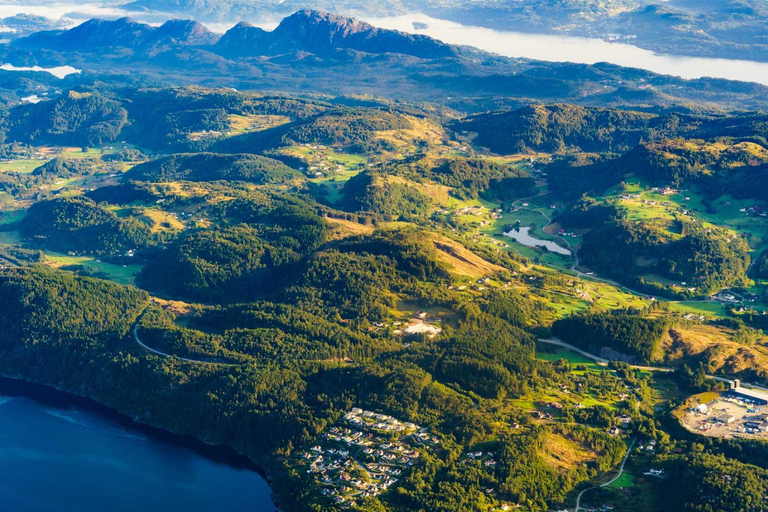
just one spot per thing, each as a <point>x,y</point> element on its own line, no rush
<point>393,273</point>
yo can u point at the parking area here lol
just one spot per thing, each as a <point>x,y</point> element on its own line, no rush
<point>728,416</point>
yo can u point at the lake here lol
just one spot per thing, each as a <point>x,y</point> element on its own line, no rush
<point>555,48</point>
<point>523,236</point>
<point>63,454</point>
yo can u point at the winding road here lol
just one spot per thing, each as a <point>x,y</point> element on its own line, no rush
<point>604,362</point>
<point>606,484</point>
<point>163,354</point>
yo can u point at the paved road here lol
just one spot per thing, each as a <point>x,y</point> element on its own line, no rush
<point>604,362</point>
<point>599,360</point>
<point>163,354</point>
<point>606,484</point>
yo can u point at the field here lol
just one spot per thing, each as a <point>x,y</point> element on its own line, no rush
<point>122,274</point>
<point>11,216</point>
<point>9,237</point>
<point>239,125</point>
<point>624,481</point>
<point>708,309</point>
<point>554,354</point>
<point>21,166</point>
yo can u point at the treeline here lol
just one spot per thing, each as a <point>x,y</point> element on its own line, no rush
<point>630,335</point>
<point>162,118</point>
<point>722,165</point>
<point>557,128</point>
<point>353,128</point>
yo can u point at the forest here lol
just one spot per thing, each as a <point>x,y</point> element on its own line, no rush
<point>288,258</point>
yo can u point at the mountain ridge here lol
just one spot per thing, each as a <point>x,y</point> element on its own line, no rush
<point>124,33</point>
<point>322,32</point>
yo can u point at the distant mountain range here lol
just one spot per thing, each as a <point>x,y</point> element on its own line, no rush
<point>706,28</point>
<point>326,53</point>
<point>96,34</point>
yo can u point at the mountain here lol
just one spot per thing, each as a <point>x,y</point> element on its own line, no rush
<point>321,32</point>
<point>704,28</point>
<point>331,54</point>
<point>99,34</point>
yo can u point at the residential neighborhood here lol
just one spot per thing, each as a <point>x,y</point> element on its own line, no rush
<point>365,454</point>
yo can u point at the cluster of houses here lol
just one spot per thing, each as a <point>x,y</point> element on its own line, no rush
<point>563,232</point>
<point>377,421</point>
<point>485,458</point>
<point>205,134</point>
<point>365,456</point>
<point>472,210</point>
<point>648,447</point>
<point>755,210</point>
<point>318,165</point>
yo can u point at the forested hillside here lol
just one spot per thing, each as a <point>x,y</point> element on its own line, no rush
<point>410,277</point>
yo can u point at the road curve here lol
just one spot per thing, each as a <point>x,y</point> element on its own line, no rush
<point>604,362</point>
<point>609,482</point>
<point>599,360</point>
<point>163,354</point>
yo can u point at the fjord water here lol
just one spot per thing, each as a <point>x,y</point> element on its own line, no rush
<point>556,48</point>
<point>56,456</point>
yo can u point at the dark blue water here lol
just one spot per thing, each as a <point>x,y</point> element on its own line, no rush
<point>62,454</point>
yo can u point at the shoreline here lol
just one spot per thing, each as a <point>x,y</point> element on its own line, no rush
<point>15,386</point>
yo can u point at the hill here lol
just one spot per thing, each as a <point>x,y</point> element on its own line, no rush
<point>213,167</point>
<point>79,225</point>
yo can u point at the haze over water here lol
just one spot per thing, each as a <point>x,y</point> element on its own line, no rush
<point>555,48</point>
